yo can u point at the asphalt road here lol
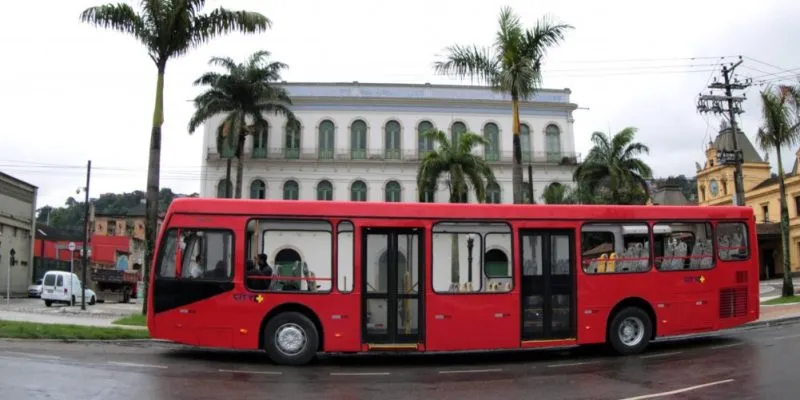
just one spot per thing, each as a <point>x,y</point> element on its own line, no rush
<point>756,363</point>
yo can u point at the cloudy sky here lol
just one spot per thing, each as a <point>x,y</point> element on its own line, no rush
<point>72,92</point>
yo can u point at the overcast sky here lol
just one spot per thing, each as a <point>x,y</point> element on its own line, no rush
<point>72,92</point>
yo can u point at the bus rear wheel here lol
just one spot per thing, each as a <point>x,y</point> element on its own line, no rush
<point>290,338</point>
<point>629,331</point>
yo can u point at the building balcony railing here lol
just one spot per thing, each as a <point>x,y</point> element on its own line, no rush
<point>392,155</point>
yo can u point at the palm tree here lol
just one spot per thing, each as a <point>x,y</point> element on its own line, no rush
<point>780,129</point>
<point>512,66</point>
<point>463,169</point>
<point>613,164</point>
<point>556,193</point>
<point>244,94</point>
<point>168,29</point>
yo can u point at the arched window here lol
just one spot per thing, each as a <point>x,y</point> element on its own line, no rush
<point>358,140</point>
<point>525,142</point>
<point>553,140</point>
<point>224,189</point>
<point>492,149</point>
<point>496,264</point>
<point>393,191</point>
<point>358,191</point>
<point>292,143</point>
<point>425,144</point>
<point>392,140</point>
<point>456,130</point>
<point>324,190</point>
<point>493,193</point>
<point>260,144</point>
<point>326,135</point>
<point>258,190</point>
<point>291,190</point>
<point>428,194</point>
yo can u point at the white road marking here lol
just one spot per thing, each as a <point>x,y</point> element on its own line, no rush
<point>45,356</point>
<point>126,364</point>
<point>360,373</point>
<point>572,364</point>
<point>725,346</point>
<point>241,371</point>
<point>678,391</point>
<point>656,355</point>
<point>787,337</point>
<point>471,371</point>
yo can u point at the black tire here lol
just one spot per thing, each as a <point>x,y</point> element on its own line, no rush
<point>641,329</point>
<point>294,326</point>
<point>48,303</point>
<point>92,301</point>
<point>73,300</point>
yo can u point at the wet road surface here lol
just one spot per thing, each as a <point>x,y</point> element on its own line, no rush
<point>745,364</point>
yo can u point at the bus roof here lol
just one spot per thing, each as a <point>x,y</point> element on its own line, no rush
<point>472,211</point>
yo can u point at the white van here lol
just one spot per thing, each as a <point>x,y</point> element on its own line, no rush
<point>63,287</point>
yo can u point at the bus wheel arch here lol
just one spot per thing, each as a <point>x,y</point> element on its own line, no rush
<point>286,309</point>
<point>627,309</point>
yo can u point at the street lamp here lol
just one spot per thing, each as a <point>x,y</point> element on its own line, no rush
<point>470,245</point>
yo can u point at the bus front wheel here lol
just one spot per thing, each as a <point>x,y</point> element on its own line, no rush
<point>290,338</point>
<point>629,331</point>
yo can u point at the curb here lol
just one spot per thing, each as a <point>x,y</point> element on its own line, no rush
<point>86,340</point>
<point>772,322</point>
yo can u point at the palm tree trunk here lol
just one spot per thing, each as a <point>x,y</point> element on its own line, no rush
<point>153,174</point>
<point>516,165</point>
<point>228,186</point>
<point>239,164</point>
<point>788,287</point>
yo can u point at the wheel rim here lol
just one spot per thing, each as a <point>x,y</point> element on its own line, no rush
<point>290,339</point>
<point>631,331</point>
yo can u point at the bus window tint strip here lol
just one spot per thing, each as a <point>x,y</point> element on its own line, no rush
<point>294,256</point>
<point>608,248</point>
<point>472,257</point>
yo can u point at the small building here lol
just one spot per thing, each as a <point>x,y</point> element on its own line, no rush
<point>715,186</point>
<point>669,194</point>
<point>17,216</point>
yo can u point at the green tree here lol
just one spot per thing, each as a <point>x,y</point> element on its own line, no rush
<point>612,169</point>
<point>556,193</point>
<point>463,169</point>
<point>511,66</point>
<point>168,29</point>
<point>779,129</point>
<point>244,93</point>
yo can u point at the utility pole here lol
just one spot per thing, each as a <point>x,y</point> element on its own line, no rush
<point>86,236</point>
<point>716,104</point>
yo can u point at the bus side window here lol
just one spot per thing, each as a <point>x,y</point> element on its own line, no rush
<point>166,258</point>
<point>345,257</point>
<point>482,254</point>
<point>684,246</point>
<point>732,241</point>
<point>615,248</point>
<point>207,254</point>
<point>299,254</point>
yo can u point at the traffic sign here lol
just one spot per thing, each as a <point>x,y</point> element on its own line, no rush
<point>71,246</point>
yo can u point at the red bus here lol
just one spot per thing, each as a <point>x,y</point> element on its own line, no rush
<point>295,278</point>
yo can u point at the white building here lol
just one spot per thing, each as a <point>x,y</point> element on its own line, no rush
<point>361,142</point>
<point>17,219</point>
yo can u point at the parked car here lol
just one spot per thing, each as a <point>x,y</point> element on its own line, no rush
<point>64,287</point>
<point>35,290</point>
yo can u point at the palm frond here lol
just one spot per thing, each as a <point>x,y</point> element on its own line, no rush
<point>468,62</point>
<point>119,17</point>
<point>222,21</point>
